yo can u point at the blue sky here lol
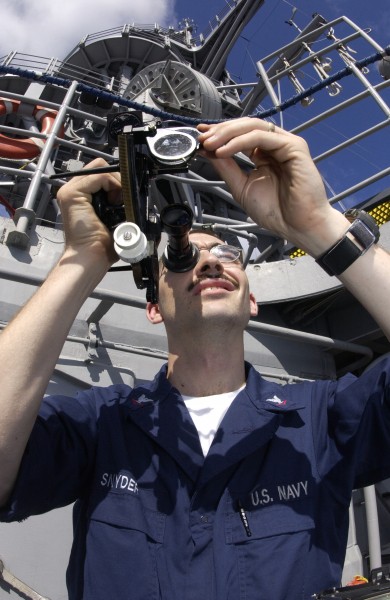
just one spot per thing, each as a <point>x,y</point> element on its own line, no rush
<point>268,31</point>
<point>375,14</point>
<point>269,26</point>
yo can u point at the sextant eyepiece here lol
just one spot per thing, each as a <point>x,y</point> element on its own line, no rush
<point>180,255</point>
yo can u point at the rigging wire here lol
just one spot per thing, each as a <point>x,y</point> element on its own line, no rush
<point>297,9</point>
<point>106,95</point>
<point>265,20</point>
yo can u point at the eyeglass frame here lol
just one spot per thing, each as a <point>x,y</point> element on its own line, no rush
<point>236,251</point>
<point>239,251</point>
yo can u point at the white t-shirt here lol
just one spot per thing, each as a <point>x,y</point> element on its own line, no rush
<point>207,413</point>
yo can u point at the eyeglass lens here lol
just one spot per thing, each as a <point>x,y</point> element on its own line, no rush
<point>226,253</point>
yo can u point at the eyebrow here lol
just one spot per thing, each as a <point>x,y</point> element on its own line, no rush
<point>209,246</point>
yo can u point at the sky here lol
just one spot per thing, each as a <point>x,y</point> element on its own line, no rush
<point>50,29</point>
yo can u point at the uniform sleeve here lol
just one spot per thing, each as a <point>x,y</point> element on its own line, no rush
<point>356,444</point>
<point>58,459</point>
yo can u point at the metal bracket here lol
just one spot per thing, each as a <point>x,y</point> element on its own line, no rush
<point>93,342</point>
<point>24,218</point>
<point>17,585</point>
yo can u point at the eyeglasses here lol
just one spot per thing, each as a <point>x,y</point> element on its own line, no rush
<point>225,253</point>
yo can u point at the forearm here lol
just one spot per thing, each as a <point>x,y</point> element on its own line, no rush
<point>29,349</point>
<point>284,193</point>
<point>368,279</point>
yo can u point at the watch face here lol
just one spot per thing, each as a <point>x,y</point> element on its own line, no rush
<point>339,257</point>
<point>355,214</point>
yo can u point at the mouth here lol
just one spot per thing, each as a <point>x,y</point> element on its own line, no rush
<point>211,284</point>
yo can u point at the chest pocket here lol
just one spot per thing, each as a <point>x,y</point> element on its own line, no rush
<point>271,560</point>
<point>128,512</point>
<point>124,545</point>
<point>269,521</point>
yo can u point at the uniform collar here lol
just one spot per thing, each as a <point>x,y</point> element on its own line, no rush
<point>270,396</point>
<point>250,422</point>
<point>158,409</point>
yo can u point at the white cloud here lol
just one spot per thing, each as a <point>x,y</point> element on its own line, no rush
<point>52,28</point>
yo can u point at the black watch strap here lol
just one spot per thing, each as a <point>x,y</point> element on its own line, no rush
<point>341,256</point>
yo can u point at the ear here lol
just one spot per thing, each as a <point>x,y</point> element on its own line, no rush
<point>253,305</point>
<point>153,313</point>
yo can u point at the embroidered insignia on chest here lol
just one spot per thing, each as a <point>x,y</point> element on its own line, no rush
<point>276,400</point>
<point>141,401</point>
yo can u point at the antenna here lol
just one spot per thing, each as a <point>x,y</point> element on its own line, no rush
<point>291,21</point>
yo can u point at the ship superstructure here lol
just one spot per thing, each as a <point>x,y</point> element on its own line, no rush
<point>329,83</point>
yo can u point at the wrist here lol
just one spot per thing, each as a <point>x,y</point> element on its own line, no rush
<point>319,237</point>
<point>362,233</point>
<point>94,255</point>
<point>86,265</point>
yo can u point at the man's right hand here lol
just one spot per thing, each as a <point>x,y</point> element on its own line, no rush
<point>84,232</point>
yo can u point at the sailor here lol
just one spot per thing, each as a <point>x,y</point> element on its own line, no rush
<point>165,509</point>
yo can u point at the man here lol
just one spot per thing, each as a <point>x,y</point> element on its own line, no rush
<point>265,513</point>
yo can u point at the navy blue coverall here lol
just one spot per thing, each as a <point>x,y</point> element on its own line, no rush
<point>263,517</point>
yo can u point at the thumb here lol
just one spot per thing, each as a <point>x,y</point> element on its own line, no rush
<point>230,172</point>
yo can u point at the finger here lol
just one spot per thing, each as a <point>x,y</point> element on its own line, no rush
<point>226,167</point>
<point>106,181</point>
<point>234,127</point>
<point>262,147</point>
<point>229,141</point>
<point>84,186</point>
<point>232,174</point>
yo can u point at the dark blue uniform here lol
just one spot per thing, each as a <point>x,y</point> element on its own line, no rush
<point>264,516</point>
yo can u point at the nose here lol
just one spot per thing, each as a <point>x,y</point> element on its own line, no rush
<point>208,262</point>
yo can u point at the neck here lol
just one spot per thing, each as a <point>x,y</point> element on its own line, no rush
<point>202,367</point>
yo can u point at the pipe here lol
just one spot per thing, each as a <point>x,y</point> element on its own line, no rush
<point>374,541</point>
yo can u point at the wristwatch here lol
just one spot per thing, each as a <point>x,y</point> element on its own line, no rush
<point>340,256</point>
